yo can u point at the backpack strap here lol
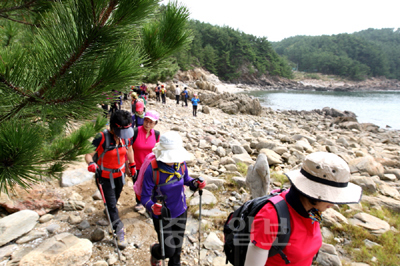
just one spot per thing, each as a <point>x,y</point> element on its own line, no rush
<point>135,133</point>
<point>157,133</point>
<point>156,173</point>
<point>284,229</point>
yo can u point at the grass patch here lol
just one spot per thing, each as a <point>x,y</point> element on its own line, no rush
<point>279,177</point>
<point>242,168</point>
<point>389,250</point>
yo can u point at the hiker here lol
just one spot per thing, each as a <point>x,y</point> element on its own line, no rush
<point>143,142</point>
<point>163,94</point>
<point>110,166</point>
<point>322,181</point>
<point>134,98</point>
<point>172,175</point>
<point>195,100</point>
<point>138,116</point>
<point>184,95</point>
<point>158,90</point>
<point>143,89</point>
<point>177,93</point>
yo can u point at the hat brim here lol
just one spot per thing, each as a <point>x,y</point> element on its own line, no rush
<point>125,133</point>
<point>151,118</point>
<point>171,156</point>
<point>336,195</point>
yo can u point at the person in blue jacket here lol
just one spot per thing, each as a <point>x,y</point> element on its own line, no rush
<point>185,96</point>
<point>195,100</point>
<point>173,176</point>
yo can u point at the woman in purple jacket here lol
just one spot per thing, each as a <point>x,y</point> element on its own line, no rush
<point>173,175</point>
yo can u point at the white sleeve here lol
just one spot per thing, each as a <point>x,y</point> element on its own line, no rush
<point>256,256</point>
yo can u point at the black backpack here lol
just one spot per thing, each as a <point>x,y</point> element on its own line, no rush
<point>238,225</point>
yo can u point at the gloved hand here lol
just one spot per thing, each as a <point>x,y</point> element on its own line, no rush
<point>92,167</point>
<point>132,168</point>
<point>201,184</point>
<point>156,208</point>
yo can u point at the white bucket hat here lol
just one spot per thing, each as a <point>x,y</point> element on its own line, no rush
<point>325,176</point>
<point>170,148</point>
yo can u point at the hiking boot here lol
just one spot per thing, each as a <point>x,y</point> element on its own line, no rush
<point>138,207</point>
<point>154,261</point>
<point>121,241</point>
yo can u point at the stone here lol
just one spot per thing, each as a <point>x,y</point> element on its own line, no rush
<point>38,199</point>
<point>61,250</point>
<point>382,201</point>
<point>227,160</point>
<point>84,225</point>
<point>237,149</point>
<point>243,158</point>
<point>366,183</point>
<point>32,235</point>
<point>6,251</point>
<point>373,224</point>
<point>45,218</point>
<point>240,181</point>
<point>52,228</point>
<point>97,195</point>
<point>258,177</point>
<point>212,242</point>
<point>97,235</point>
<point>333,218</point>
<point>220,152</point>
<point>16,225</point>
<point>207,198</point>
<point>366,164</point>
<point>74,219</point>
<point>389,191</point>
<point>231,167</point>
<point>213,213</point>
<point>272,157</point>
<point>74,205</point>
<point>328,256</point>
<point>75,177</point>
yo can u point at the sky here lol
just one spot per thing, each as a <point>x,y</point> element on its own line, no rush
<point>279,19</point>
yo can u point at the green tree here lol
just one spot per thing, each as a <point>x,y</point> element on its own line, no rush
<point>58,59</point>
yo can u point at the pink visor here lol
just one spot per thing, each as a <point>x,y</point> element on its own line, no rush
<point>153,115</point>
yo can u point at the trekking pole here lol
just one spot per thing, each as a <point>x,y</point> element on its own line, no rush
<point>160,200</point>
<point>200,194</point>
<point>109,219</point>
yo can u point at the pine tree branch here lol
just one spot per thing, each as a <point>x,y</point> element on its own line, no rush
<point>11,86</point>
<point>23,6</point>
<point>106,13</point>
<point>18,21</point>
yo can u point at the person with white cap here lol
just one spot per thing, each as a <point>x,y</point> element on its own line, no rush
<point>143,142</point>
<point>172,176</point>
<point>112,148</point>
<point>322,181</point>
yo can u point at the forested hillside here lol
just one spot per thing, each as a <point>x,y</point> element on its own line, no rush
<point>369,53</point>
<point>230,54</point>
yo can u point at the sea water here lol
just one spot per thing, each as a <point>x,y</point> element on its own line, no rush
<point>381,108</point>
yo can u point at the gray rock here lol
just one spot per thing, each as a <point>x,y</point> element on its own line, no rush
<point>366,183</point>
<point>207,198</point>
<point>96,195</point>
<point>32,235</point>
<point>214,213</point>
<point>373,224</point>
<point>61,250</point>
<point>258,177</point>
<point>6,251</point>
<point>212,242</point>
<point>52,228</point>
<point>366,164</point>
<point>227,160</point>
<point>74,219</point>
<point>328,256</point>
<point>389,191</point>
<point>231,167</point>
<point>74,205</point>
<point>272,157</point>
<point>84,225</point>
<point>220,152</point>
<point>240,181</point>
<point>75,177</point>
<point>97,235</point>
<point>243,158</point>
<point>16,225</point>
<point>237,149</point>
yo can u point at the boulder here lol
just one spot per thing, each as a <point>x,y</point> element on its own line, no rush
<point>61,250</point>
<point>375,225</point>
<point>16,225</point>
<point>272,157</point>
<point>75,177</point>
<point>366,164</point>
<point>258,177</point>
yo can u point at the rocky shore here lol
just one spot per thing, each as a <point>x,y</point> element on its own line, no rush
<point>61,222</point>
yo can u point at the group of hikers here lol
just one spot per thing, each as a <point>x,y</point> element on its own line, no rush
<point>157,165</point>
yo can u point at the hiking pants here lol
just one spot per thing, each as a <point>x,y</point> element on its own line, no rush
<point>163,98</point>
<point>177,99</point>
<point>112,196</point>
<point>194,110</point>
<point>186,104</point>
<point>158,99</point>
<point>134,181</point>
<point>174,231</point>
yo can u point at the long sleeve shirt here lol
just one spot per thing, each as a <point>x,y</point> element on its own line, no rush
<point>175,193</point>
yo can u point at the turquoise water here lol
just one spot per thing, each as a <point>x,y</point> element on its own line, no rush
<point>378,107</point>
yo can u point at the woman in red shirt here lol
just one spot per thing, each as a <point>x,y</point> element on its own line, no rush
<point>322,181</point>
<point>144,143</point>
